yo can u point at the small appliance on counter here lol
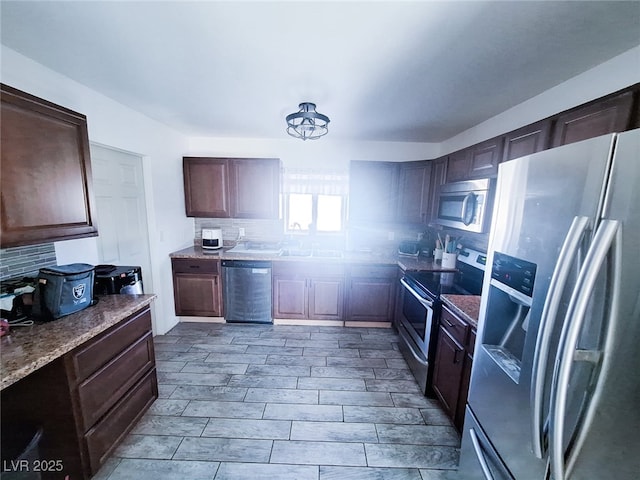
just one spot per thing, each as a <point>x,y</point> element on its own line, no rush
<point>112,279</point>
<point>211,238</point>
<point>409,249</point>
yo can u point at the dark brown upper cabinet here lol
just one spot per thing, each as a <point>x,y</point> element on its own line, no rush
<point>46,186</point>
<point>389,192</point>
<point>458,165</point>
<point>232,187</point>
<point>206,187</point>
<point>527,140</point>
<point>485,158</point>
<point>373,188</point>
<point>414,185</point>
<point>609,115</point>
<point>479,161</point>
<point>255,187</point>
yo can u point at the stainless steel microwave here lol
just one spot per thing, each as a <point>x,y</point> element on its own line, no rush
<point>465,205</point>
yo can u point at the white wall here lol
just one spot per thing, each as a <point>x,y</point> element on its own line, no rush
<point>115,125</point>
<point>613,75</point>
<point>325,153</point>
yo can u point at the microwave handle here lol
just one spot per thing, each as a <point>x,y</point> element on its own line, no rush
<point>469,198</point>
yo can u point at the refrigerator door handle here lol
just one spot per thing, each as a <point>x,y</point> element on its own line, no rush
<point>606,239</point>
<point>570,248</point>
<point>484,465</point>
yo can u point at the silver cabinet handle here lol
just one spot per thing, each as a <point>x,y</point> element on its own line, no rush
<point>606,239</point>
<point>423,301</point>
<point>480,455</point>
<point>548,319</point>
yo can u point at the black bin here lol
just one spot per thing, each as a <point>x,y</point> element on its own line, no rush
<point>20,453</point>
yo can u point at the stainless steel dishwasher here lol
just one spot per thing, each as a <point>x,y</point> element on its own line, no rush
<point>247,291</point>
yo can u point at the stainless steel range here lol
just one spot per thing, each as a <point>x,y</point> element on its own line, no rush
<point>420,305</point>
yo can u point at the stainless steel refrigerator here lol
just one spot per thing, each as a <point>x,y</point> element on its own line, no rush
<point>555,384</point>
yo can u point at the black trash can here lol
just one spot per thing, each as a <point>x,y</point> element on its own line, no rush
<point>20,453</point>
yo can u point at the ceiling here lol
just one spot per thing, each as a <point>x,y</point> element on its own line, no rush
<point>418,71</point>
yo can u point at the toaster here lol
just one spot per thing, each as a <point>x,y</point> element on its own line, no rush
<point>211,238</point>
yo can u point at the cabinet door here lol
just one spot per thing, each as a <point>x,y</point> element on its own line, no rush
<point>46,187</point>
<point>413,192</point>
<point>197,295</point>
<point>458,165</point>
<point>290,297</point>
<point>255,188</point>
<point>447,373</point>
<point>206,187</point>
<point>371,294</point>
<point>485,157</point>
<point>525,141</point>
<point>373,188</point>
<point>438,177</point>
<point>326,298</point>
<point>594,119</point>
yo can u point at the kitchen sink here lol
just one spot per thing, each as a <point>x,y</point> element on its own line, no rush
<point>328,253</point>
<point>318,253</point>
<point>296,253</point>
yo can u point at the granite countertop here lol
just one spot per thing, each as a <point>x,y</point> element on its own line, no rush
<point>370,258</point>
<point>27,349</point>
<point>465,306</point>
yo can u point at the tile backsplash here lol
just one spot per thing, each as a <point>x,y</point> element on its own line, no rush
<point>254,230</point>
<point>25,261</point>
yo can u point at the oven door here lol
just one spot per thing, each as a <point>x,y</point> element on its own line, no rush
<point>416,334</point>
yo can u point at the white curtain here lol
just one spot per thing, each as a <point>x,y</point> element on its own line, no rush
<point>308,180</point>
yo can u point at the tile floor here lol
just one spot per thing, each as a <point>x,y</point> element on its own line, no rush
<point>252,402</point>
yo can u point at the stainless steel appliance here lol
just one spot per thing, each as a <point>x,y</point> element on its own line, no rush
<point>463,205</point>
<point>112,279</point>
<point>211,238</point>
<point>554,387</point>
<point>247,291</point>
<point>420,305</point>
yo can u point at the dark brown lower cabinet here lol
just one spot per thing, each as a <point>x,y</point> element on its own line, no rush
<point>453,361</point>
<point>87,400</point>
<point>447,372</point>
<point>371,293</point>
<point>308,291</point>
<point>197,289</point>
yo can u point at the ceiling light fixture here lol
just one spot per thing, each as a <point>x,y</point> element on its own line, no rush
<point>306,123</point>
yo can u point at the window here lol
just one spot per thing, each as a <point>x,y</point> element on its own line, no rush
<point>314,201</point>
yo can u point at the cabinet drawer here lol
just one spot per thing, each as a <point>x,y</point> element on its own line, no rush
<point>456,327</point>
<point>102,439</point>
<point>97,352</point>
<point>374,271</point>
<point>188,265</point>
<point>103,389</point>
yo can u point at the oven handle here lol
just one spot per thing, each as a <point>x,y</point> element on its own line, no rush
<point>426,303</point>
<point>409,343</point>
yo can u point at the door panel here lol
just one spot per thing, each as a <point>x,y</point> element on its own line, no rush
<point>121,204</point>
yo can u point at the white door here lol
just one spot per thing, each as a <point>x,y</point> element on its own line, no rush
<point>122,215</point>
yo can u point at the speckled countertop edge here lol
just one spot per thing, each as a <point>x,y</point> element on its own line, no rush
<point>465,306</point>
<point>27,349</point>
<point>405,263</point>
